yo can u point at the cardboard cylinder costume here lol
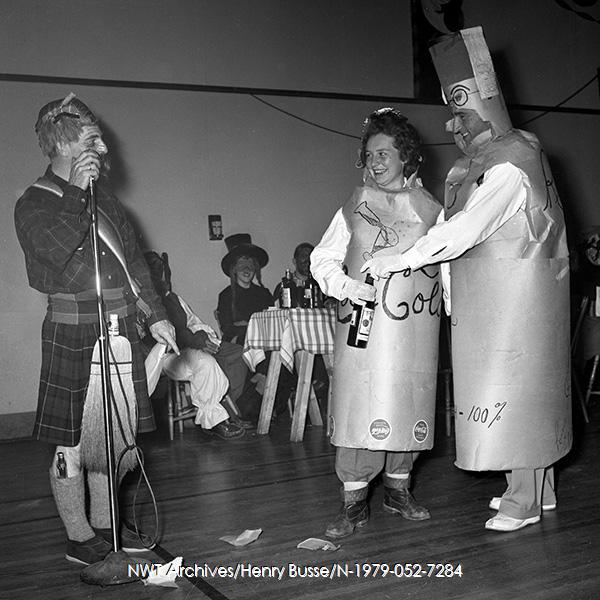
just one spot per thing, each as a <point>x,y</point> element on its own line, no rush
<point>510,293</point>
<point>383,396</point>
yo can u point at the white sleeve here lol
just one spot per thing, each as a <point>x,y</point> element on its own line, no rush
<point>501,194</point>
<point>328,256</point>
<point>194,322</point>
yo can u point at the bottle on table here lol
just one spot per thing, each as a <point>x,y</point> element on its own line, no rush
<point>361,321</point>
<point>312,294</point>
<point>307,298</point>
<point>317,295</point>
<point>286,296</point>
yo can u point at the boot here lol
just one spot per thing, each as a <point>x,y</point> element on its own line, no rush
<point>397,499</point>
<point>354,513</point>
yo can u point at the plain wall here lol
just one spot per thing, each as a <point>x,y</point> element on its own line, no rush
<point>179,156</point>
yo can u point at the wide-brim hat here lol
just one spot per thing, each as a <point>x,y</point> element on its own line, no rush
<point>240,244</point>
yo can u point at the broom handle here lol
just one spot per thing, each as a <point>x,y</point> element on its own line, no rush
<point>104,372</point>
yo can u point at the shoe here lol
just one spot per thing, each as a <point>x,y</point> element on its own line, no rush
<point>226,431</point>
<point>495,504</point>
<point>130,540</point>
<point>353,515</point>
<point>505,523</point>
<point>89,552</point>
<point>401,501</point>
<point>243,423</point>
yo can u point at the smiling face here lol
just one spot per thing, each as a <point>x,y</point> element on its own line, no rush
<point>383,162</point>
<point>244,271</point>
<point>467,126</point>
<point>475,120</point>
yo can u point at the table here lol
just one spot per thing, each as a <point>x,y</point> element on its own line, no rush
<point>292,335</point>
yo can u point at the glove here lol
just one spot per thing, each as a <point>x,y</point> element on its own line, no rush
<point>358,292</point>
<point>382,266</point>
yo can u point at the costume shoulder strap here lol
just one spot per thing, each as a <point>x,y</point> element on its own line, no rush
<point>109,235</point>
<point>45,184</point>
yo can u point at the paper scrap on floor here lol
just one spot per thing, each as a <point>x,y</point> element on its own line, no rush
<point>318,544</point>
<point>243,539</point>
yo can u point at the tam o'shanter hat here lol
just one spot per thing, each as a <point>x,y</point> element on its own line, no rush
<point>240,244</point>
<point>464,67</point>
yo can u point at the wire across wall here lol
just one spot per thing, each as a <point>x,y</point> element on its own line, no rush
<point>259,93</point>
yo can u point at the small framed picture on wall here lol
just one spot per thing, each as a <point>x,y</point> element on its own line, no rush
<point>215,227</point>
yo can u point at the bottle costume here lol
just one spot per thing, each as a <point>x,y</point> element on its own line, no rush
<point>504,235</point>
<point>383,396</point>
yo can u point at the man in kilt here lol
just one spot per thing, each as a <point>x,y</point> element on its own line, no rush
<point>52,221</point>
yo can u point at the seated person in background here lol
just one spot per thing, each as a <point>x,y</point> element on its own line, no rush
<point>202,359</point>
<point>586,267</point>
<point>299,277</point>
<point>238,301</point>
<point>585,284</point>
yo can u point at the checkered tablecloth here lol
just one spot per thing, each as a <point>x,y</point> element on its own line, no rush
<point>289,330</point>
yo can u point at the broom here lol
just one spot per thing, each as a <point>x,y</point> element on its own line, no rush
<point>124,410</point>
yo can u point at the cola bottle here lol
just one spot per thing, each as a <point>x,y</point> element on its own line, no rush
<point>361,321</point>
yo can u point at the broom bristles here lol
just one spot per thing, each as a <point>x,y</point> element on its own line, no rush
<point>124,411</point>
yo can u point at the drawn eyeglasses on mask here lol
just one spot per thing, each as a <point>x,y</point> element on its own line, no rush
<point>459,95</point>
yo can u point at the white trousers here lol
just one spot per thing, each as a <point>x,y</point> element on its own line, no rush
<point>208,382</point>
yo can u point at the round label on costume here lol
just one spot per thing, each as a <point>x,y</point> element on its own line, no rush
<point>420,431</point>
<point>331,425</point>
<point>380,429</point>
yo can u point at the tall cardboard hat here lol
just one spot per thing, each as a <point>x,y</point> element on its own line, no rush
<point>464,67</point>
<point>240,244</point>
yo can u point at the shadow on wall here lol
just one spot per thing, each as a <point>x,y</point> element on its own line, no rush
<point>118,180</point>
<point>117,176</point>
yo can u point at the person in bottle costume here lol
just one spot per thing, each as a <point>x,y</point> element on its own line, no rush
<point>503,232</point>
<point>383,396</point>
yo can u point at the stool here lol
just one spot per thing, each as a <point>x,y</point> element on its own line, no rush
<point>180,407</point>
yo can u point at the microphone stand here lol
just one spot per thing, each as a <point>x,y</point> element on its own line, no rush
<point>114,568</point>
<point>104,371</point>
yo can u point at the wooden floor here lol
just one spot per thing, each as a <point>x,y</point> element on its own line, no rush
<point>207,488</point>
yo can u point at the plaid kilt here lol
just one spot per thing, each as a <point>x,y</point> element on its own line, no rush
<point>66,357</point>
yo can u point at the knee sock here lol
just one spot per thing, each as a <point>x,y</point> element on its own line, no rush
<point>99,504</point>
<point>69,496</point>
